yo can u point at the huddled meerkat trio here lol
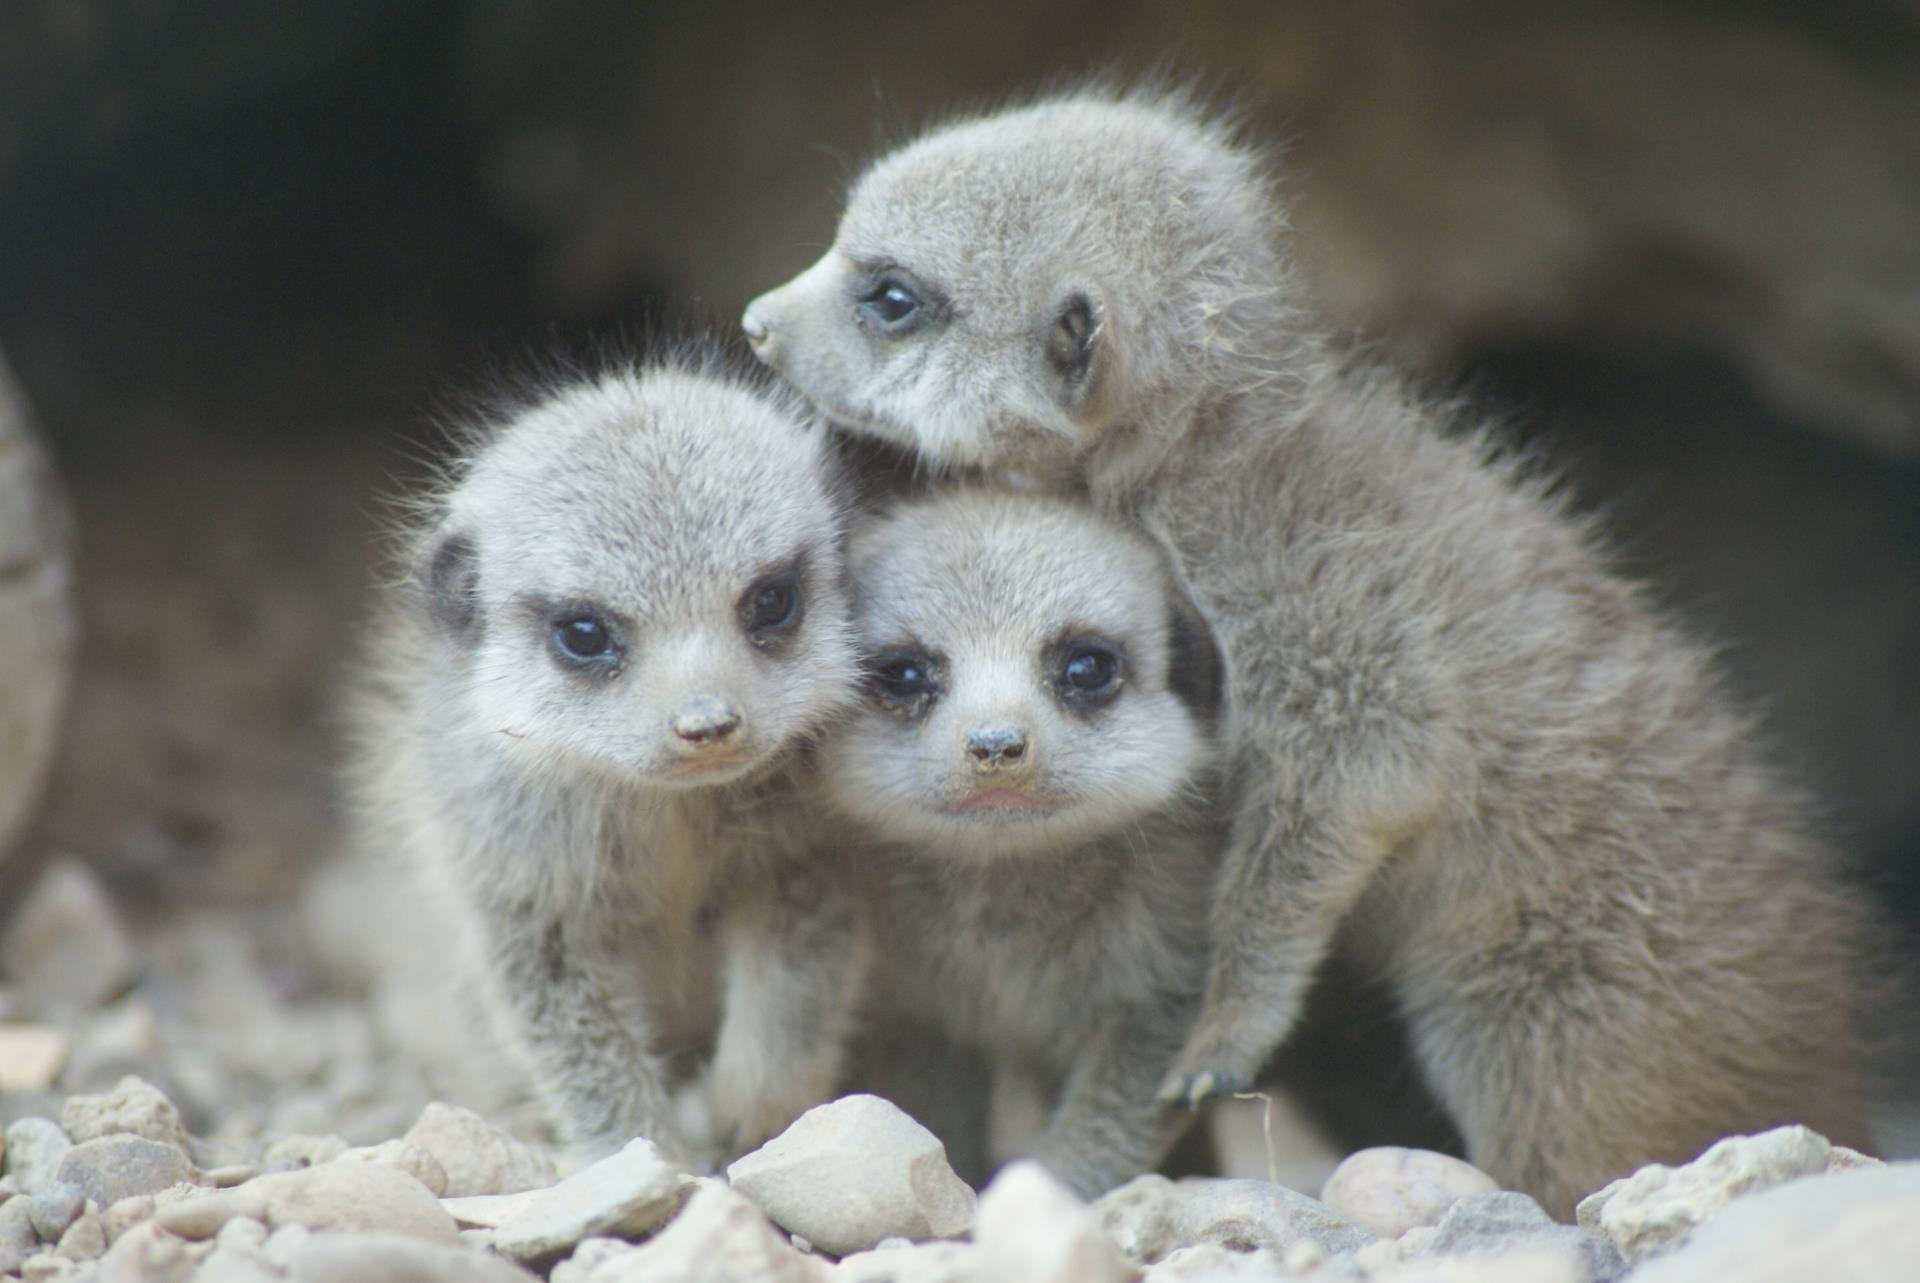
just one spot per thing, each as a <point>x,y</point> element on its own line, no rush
<point>1210,653</point>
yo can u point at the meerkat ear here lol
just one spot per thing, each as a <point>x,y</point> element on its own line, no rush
<point>1079,350</point>
<point>452,576</point>
<point>1196,670</point>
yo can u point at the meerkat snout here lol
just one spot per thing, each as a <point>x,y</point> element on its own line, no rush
<point>705,722</point>
<point>753,327</point>
<point>993,749</point>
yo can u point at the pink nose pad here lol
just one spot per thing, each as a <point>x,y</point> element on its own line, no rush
<point>997,748</point>
<point>706,722</point>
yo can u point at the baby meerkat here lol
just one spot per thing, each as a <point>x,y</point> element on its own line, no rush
<point>1456,737</point>
<point>587,722</point>
<point>1033,751</point>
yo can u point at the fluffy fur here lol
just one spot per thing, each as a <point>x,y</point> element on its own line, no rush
<point>1453,729</point>
<point>1046,862</point>
<point>653,908</point>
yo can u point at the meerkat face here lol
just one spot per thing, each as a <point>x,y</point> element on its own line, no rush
<point>645,575</point>
<point>1025,289</point>
<point>1031,680</point>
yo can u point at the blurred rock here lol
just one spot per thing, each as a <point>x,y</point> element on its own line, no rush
<point>85,1239</point>
<point>1151,1216</point>
<point>293,1152</point>
<point>17,1239</point>
<point>66,948</point>
<point>54,1207</point>
<point>134,1105</point>
<point>35,1147</point>
<point>1503,1222</point>
<point>854,1171</point>
<point>1390,1190</point>
<point>934,1262</point>
<point>358,1196</point>
<point>404,1156</point>
<point>1032,1229</point>
<point>111,1168</point>
<point>625,1194</point>
<point>396,1258</point>
<point>718,1237</point>
<point>477,1157</point>
<point>30,1057</point>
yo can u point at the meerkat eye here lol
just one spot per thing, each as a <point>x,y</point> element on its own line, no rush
<point>1089,674</point>
<point>892,306</point>
<point>904,679</point>
<point>771,607</point>
<point>582,637</point>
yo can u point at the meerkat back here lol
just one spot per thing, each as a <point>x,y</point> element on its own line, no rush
<point>621,622</point>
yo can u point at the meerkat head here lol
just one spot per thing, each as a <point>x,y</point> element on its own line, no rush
<point>644,575</point>
<point>1033,678</point>
<point>1042,287</point>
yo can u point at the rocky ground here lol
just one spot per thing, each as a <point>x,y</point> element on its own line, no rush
<point>235,1098</point>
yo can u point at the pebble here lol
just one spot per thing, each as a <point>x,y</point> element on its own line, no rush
<point>111,1168</point>
<point>360,1196</point>
<point>35,1147</point>
<point>1390,1190</point>
<point>854,1171</point>
<point>85,1239</point>
<point>227,1265</point>
<point>290,1153</point>
<point>404,1156</point>
<point>1151,1216</point>
<point>149,1254</point>
<point>592,1254</point>
<point>395,1258</point>
<point>488,1211</point>
<point>478,1157</point>
<point>127,1213</point>
<point>628,1193</point>
<point>30,1057</point>
<point>66,946</point>
<point>940,1261</point>
<point>1032,1229</point>
<point>50,1267</point>
<point>1506,1221</point>
<point>134,1106</point>
<point>1658,1206</point>
<point>54,1207</point>
<point>719,1237</point>
<point>1210,1263</point>
<point>17,1239</point>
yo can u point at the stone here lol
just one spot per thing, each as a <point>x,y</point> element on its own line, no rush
<point>66,946</point>
<point>85,1239</point>
<point>1032,1228</point>
<point>242,1234</point>
<point>624,1194</point>
<point>17,1239</point>
<point>292,1152</point>
<point>227,1175</point>
<point>35,1147</point>
<point>593,1254</point>
<point>30,1057</point>
<point>718,1237</point>
<point>134,1106</point>
<point>1658,1206</point>
<point>111,1168</point>
<point>1841,1159</point>
<point>230,1265</point>
<point>148,1254</point>
<point>395,1258</point>
<point>284,1243</point>
<point>50,1267</point>
<point>939,1261</point>
<point>127,1213</point>
<point>1210,1263</point>
<point>1861,1225</point>
<point>478,1157</point>
<point>1521,1265</point>
<point>1151,1216</point>
<point>53,1207</point>
<point>1390,1190</point>
<point>854,1171</point>
<point>1506,1221</point>
<point>405,1156</point>
<point>364,1197</point>
<point>488,1211</point>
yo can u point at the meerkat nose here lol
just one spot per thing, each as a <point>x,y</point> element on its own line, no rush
<point>997,747</point>
<point>754,328</point>
<point>706,721</point>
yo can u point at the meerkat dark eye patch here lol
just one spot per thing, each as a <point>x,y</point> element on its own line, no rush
<point>453,584</point>
<point>1196,670</point>
<point>1087,672</point>
<point>904,681</point>
<point>774,604</point>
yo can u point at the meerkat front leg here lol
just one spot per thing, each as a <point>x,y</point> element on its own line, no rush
<point>795,963</point>
<point>1107,1128</point>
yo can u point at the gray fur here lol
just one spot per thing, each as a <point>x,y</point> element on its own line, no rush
<point>649,897</point>
<point>1453,728</point>
<point>1069,940</point>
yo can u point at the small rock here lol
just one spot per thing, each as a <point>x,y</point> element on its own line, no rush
<point>395,1258</point>
<point>1390,1190</point>
<point>49,1267</point>
<point>228,1265</point>
<point>35,1147</point>
<point>242,1234</point>
<point>85,1239</point>
<point>1491,1224</point>
<point>591,1255</point>
<point>363,1197</point>
<point>940,1261</point>
<point>488,1211</point>
<point>718,1237</point>
<point>56,1206</point>
<point>134,1105</point>
<point>1521,1265</point>
<point>1842,1159</point>
<point>17,1239</point>
<point>478,1157</point>
<point>66,946</point>
<point>227,1175</point>
<point>1658,1206</point>
<point>1859,1225</point>
<point>849,1173</point>
<point>127,1213</point>
<point>1150,1216</point>
<point>115,1167</point>
<point>290,1153</point>
<point>405,1156</point>
<point>148,1254</point>
<point>628,1193</point>
<point>285,1243</point>
<point>30,1057</point>
<point>1210,1263</point>
<point>1377,1256</point>
<point>1032,1228</point>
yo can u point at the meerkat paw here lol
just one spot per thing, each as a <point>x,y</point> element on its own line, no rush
<point>1214,1063</point>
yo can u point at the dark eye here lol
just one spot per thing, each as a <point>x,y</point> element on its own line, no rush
<point>892,306</point>
<point>1090,673</point>
<point>772,605</point>
<point>903,677</point>
<point>582,637</point>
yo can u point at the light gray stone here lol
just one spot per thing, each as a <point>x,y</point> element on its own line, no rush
<point>134,1106</point>
<point>290,1153</point>
<point>1506,1221</point>
<point>488,1211</point>
<point>1658,1206</point>
<point>85,1239</point>
<point>1033,1229</point>
<point>478,1157</point>
<point>1150,1216</point>
<point>127,1213</point>
<point>405,1156</point>
<point>898,1261</point>
<point>31,1057</point>
<point>624,1194</point>
<point>35,1147</point>
<point>55,1206</point>
<point>1209,1263</point>
<point>231,1265</point>
<point>395,1258</point>
<point>854,1171</point>
<point>17,1239</point>
<point>110,1168</point>
<point>148,1254</point>
<point>719,1237</point>
<point>1390,1190</point>
<point>1860,1225</point>
<point>364,1197</point>
<point>591,1256</point>
<point>66,946</point>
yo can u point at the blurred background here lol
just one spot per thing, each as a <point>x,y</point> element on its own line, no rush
<point>249,253</point>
